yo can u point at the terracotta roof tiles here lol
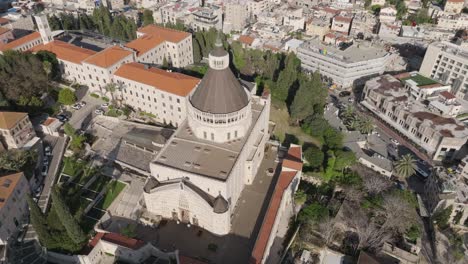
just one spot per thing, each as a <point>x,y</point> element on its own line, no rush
<point>154,36</point>
<point>4,30</point>
<point>21,41</point>
<point>65,51</point>
<point>171,82</point>
<point>9,119</point>
<point>246,39</point>
<point>447,95</point>
<point>7,186</point>
<point>108,57</point>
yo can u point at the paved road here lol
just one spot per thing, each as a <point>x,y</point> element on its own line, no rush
<point>58,145</point>
<point>81,118</point>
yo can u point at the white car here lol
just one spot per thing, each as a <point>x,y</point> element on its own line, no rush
<point>394,141</point>
<point>82,103</point>
<point>77,106</point>
<point>105,105</point>
<point>98,112</point>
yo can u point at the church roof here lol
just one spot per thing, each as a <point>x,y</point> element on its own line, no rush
<point>219,204</point>
<point>219,92</point>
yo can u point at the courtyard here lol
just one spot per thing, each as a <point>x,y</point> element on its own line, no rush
<point>193,241</point>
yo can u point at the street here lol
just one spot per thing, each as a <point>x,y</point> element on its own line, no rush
<point>81,118</point>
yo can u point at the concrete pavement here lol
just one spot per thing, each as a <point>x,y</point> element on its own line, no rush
<point>81,118</point>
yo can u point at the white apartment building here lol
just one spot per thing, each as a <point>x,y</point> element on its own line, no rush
<point>421,87</point>
<point>154,44</point>
<point>441,137</point>
<point>454,6</point>
<point>447,63</point>
<point>207,17</point>
<point>15,130</point>
<point>387,14</point>
<point>453,22</point>
<point>389,29</point>
<point>235,17</point>
<point>13,204</point>
<point>341,24</point>
<point>256,7</point>
<point>344,67</point>
<point>155,91</point>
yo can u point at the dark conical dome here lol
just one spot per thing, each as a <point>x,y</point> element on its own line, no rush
<point>219,92</point>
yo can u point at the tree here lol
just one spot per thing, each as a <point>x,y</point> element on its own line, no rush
<point>365,125</point>
<point>129,231</point>
<point>66,96</point>
<point>307,97</point>
<point>148,17</point>
<point>49,57</point>
<point>287,77</point>
<point>165,64</point>
<point>376,9</point>
<point>405,167</point>
<point>313,213</point>
<point>197,54</point>
<point>375,184</point>
<point>16,160</point>
<point>344,159</point>
<point>441,217</point>
<point>314,157</point>
<point>111,88</point>
<point>300,197</point>
<point>74,231</point>
<point>39,222</point>
<point>333,138</point>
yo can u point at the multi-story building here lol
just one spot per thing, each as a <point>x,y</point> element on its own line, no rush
<point>154,44</point>
<point>207,17</point>
<point>13,204</point>
<point>198,176</point>
<point>389,29</point>
<point>235,17</point>
<point>317,27</point>
<point>421,87</point>
<point>22,44</point>
<point>15,129</point>
<point>447,63</point>
<point>453,22</point>
<point>454,6</point>
<point>344,67</point>
<point>342,24</point>
<point>99,68</point>
<point>155,91</point>
<point>256,7</point>
<point>387,14</point>
<point>364,24</point>
<point>391,100</point>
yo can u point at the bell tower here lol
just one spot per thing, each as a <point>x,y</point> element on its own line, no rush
<point>44,28</point>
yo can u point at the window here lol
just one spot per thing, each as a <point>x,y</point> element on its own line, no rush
<point>228,136</point>
<point>212,136</point>
<point>204,134</point>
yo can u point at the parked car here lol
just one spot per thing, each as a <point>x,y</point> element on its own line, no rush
<point>44,170</point>
<point>82,103</point>
<point>62,118</point>
<point>45,161</point>
<point>98,112</point>
<point>38,191</point>
<point>344,93</point>
<point>77,106</point>
<point>394,141</point>
<point>104,105</point>
<point>48,151</point>
<point>351,100</point>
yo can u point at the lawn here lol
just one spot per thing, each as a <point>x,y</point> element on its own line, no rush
<point>113,191</point>
<point>72,166</point>
<point>279,114</point>
<point>99,183</point>
<point>420,80</point>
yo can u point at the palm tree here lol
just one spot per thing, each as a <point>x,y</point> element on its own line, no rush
<point>406,166</point>
<point>47,66</point>
<point>348,112</point>
<point>352,123</point>
<point>111,88</point>
<point>365,125</point>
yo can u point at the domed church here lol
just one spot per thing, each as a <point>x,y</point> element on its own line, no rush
<point>199,174</point>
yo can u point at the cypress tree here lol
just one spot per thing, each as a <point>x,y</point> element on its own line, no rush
<point>39,222</point>
<point>197,55</point>
<point>287,77</point>
<point>74,231</point>
<point>307,97</point>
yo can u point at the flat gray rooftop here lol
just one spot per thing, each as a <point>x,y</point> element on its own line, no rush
<point>355,53</point>
<point>186,152</point>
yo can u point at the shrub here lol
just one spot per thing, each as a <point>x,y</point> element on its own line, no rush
<point>105,99</point>
<point>66,97</point>
<point>94,95</point>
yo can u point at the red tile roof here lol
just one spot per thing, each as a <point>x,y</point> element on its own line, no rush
<point>342,19</point>
<point>4,21</point>
<point>108,57</point>
<point>294,158</point>
<point>155,35</point>
<point>49,121</point>
<point>447,95</point>
<point>9,119</point>
<point>66,51</point>
<point>21,41</point>
<point>4,30</point>
<point>284,180</point>
<point>171,82</point>
<point>7,186</point>
<point>117,239</point>
<point>246,39</point>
